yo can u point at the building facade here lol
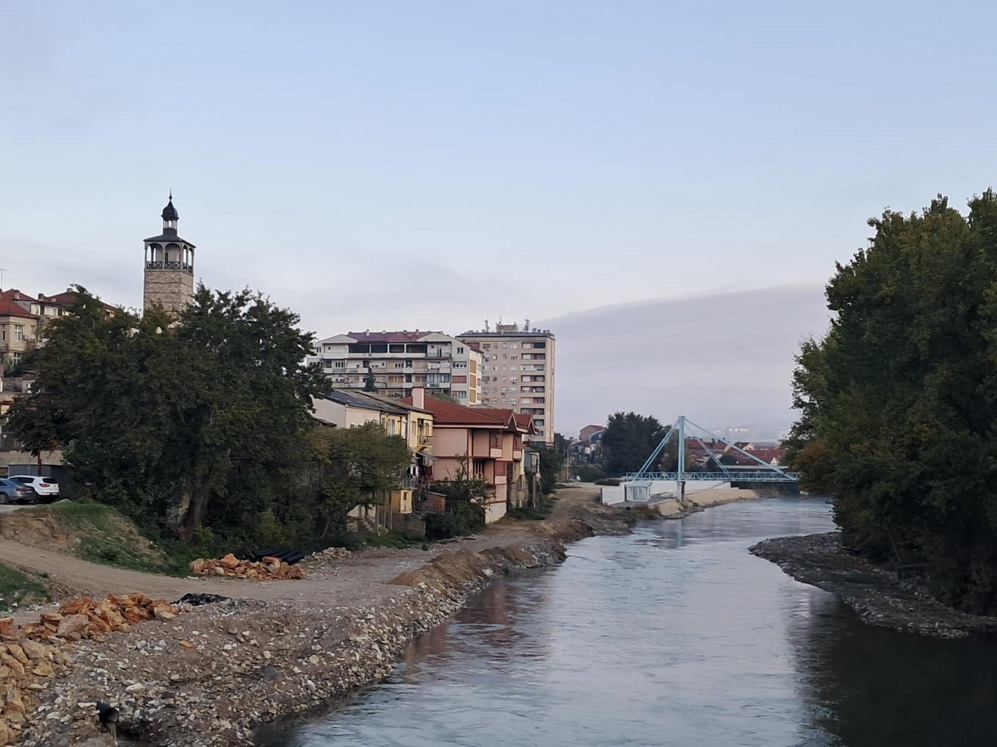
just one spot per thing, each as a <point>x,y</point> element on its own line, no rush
<point>396,363</point>
<point>169,266</point>
<point>485,443</point>
<point>24,319</point>
<point>518,373</point>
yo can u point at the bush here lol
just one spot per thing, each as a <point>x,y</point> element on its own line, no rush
<point>590,472</point>
<point>460,518</point>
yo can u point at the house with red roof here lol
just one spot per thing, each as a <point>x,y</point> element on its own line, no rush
<point>486,442</point>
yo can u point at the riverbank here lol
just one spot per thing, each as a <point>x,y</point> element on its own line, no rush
<point>874,593</point>
<point>702,499</point>
<point>275,649</point>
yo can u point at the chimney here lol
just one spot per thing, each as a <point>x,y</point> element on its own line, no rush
<point>419,397</point>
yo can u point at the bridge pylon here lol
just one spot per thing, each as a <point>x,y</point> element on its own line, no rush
<point>765,472</point>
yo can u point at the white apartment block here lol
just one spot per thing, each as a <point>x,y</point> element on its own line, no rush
<point>518,372</point>
<point>402,361</point>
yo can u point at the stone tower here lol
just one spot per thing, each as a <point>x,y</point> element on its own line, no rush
<point>169,266</point>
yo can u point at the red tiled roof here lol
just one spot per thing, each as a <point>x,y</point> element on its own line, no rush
<point>404,336</point>
<point>67,297</point>
<point>9,307</point>
<point>448,413</point>
<point>13,294</point>
<point>525,421</point>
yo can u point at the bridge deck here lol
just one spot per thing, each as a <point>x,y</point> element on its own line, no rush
<point>729,476</point>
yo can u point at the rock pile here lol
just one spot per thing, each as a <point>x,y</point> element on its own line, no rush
<point>86,618</point>
<point>30,656</point>
<point>266,570</point>
<point>331,553</point>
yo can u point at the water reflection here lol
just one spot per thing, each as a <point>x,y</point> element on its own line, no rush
<point>673,636</point>
<point>870,686</point>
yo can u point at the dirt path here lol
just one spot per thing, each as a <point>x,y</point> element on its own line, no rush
<point>360,579</point>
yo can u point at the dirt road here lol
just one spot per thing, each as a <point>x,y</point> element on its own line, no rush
<point>361,578</point>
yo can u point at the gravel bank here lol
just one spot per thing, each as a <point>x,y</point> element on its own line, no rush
<point>874,593</point>
<point>213,674</point>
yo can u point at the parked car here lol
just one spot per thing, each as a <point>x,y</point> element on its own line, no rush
<point>15,492</point>
<point>46,487</point>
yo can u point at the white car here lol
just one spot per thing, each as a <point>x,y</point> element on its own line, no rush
<point>46,487</point>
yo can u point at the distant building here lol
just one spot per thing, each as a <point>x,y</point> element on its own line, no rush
<point>396,363</point>
<point>169,266</point>
<point>518,373</point>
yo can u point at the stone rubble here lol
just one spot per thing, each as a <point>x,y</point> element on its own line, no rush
<point>35,655</point>
<point>268,569</point>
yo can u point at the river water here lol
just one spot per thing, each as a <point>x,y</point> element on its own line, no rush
<point>675,636</point>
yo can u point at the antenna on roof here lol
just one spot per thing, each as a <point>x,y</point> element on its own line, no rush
<point>486,326</point>
<point>526,325</point>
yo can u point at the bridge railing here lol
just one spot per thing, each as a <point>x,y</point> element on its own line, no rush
<point>732,476</point>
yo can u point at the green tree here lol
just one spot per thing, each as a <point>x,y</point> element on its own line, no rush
<point>354,467</point>
<point>627,442</point>
<point>369,382</point>
<point>464,512</point>
<point>550,468</point>
<point>899,401</point>
<point>184,422</point>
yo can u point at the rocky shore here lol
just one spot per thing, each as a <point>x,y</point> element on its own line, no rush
<point>218,671</point>
<point>874,593</point>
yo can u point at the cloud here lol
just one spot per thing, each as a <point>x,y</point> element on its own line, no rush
<point>721,359</point>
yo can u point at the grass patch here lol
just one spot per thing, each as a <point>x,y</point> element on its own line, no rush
<point>18,589</point>
<point>395,539</point>
<point>106,536</point>
<point>538,512</point>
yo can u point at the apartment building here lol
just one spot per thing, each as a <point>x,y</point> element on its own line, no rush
<point>398,362</point>
<point>23,320</point>
<point>518,372</point>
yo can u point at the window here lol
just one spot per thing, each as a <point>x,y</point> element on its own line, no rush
<point>460,351</point>
<point>459,379</point>
<point>505,344</point>
<point>18,333</point>
<point>399,364</point>
<point>396,348</point>
<point>339,364</point>
<point>487,346</point>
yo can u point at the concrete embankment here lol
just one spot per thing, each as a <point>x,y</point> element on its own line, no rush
<point>214,674</point>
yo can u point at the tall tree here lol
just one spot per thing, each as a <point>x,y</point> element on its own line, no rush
<point>187,422</point>
<point>899,401</point>
<point>629,439</point>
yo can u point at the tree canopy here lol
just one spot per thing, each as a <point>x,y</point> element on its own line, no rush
<point>899,400</point>
<point>354,467</point>
<point>627,442</point>
<point>184,422</point>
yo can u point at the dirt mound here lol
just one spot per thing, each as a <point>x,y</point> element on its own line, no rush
<point>38,528</point>
<point>86,530</point>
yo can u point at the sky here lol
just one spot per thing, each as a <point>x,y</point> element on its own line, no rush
<point>386,165</point>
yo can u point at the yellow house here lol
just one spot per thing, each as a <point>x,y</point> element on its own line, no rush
<point>349,408</point>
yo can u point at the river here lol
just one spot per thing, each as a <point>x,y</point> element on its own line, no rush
<point>676,636</point>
